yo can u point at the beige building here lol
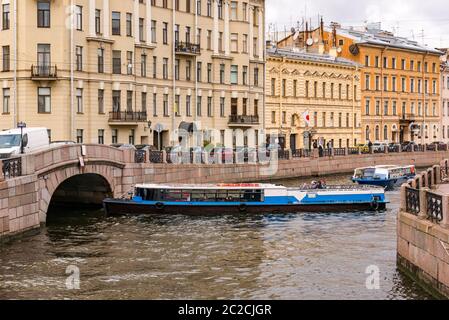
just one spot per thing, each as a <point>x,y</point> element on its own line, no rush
<point>114,71</point>
<point>325,88</point>
<point>445,97</point>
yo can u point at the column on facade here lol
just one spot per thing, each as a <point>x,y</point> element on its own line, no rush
<point>92,32</point>
<point>261,45</point>
<point>106,18</point>
<point>136,22</point>
<point>226,37</point>
<point>251,32</point>
<point>148,24</point>
<point>216,27</point>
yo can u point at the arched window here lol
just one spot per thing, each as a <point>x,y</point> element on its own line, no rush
<point>367,132</point>
<point>377,133</point>
<point>386,133</point>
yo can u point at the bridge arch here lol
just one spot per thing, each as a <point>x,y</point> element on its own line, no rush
<point>88,184</point>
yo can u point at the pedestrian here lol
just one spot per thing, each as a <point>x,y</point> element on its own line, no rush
<point>315,145</point>
<point>321,150</point>
<point>370,146</point>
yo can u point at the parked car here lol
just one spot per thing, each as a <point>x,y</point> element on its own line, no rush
<point>364,148</point>
<point>379,146</point>
<point>29,139</point>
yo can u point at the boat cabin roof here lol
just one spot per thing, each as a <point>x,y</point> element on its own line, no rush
<point>220,186</point>
<point>386,167</point>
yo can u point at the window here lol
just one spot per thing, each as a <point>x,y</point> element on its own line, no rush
<point>273,117</point>
<point>79,100</point>
<point>115,23</point>
<point>245,75</point>
<point>209,8</point>
<point>165,68</point>
<point>234,15</point>
<point>209,72</point>
<point>188,106</point>
<point>129,23</point>
<point>116,101</point>
<point>79,58</point>
<point>129,62</point>
<point>377,108</point>
<point>97,21</point>
<point>367,82</point>
<point>256,77</point>
<point>222,73</point>
<point>155,104</point>
<point>222,107</point>
<point>220,9</point>
<point>43,14</point>
<point>129,101</point>
<point>367,107</point>
<point>79,135</point>
<point>403,64</point>
<point>393,84</point>
<point>116,62</point>
<point>143,96</point>
<point>154,67</point>
<point>44,100</point>
<point>165,33</point>
<point>100,136</point>
<point>394,108</point>
<point>385,83</point>
<point>5,17</point>
<point>141,29</point>
<point>79,18</point>
<point>234,42</point>
<point>6,99</point>
<point>198,106</point>
<point>143,65</point>
<point>114,135</point>
<point>176,106</point>
<point>100,60</point>
<point>209,107</point>
<point>165,105</point>
<point>234,74</point>
<point>198,7</point>
<point>100,101</point>
<point>367,61</point>
<point>6,58</point>
<point>209,40</point>
<point>153,31</point>
<point>199,71</point>
<point>386,108</point>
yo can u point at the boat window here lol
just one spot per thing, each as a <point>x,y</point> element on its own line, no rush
<point>178,195</point>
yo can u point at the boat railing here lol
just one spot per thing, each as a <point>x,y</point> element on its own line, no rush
<point>336,188</point>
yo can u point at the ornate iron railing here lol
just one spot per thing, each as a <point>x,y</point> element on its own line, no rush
<point>301,153</point>
<point>237,119</point>
<point>12,168</point>
<point>45,71</point>
<point>339,152</point>
<point>140,156</point>
<point>128,116</point>
<point>444,172</point>
<point>156,157</point>
<point>187,47</point>
<point>412,201</point>
<point>283,154</point>
<point>431,147</point>
<point>434,207</point>
<point>394,149</point>
<point>353,151</point>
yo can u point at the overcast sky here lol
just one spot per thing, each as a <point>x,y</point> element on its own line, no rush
<point>404,17</point>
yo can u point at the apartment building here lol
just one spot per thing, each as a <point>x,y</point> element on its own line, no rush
<point>400,79</point>
<point>318,86</point>
<point>445,97</point>
<point>134,71</point>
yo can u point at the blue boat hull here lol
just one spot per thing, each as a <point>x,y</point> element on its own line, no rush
<point>388,184</point>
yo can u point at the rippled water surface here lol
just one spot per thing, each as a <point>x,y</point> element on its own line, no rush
<point>307,256</point>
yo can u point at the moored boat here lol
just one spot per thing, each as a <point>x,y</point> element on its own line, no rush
<point>387,177</point>
<point>245,199</point>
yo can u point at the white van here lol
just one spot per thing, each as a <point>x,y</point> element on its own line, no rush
<point>34,139</point>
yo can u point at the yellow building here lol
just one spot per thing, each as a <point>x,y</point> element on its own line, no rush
<point>325,88</point>
<point>112,71</point>
<point>400,80</point>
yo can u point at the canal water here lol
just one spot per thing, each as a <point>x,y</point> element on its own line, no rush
<point>306,256</point>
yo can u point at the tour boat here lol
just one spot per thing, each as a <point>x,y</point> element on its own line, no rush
<point>384,176</point>
<point>245,199</point>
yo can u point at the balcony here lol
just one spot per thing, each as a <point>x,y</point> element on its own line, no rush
<point>127,118</point>
<point>44,73</point>
<point>187,49</point>
<point>240,120</point>
<point>407,118</point>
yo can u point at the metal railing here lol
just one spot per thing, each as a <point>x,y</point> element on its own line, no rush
<point>339,152</point>
<point>127,116</point>
<point>12,168</point>
<point>44,72</point>
<point>353,151</point>
<point>241,119</point>
<point>140,156</point>
<point>156,156</point>
<point>301,153</point>
<point>187,47</point>
<point>434,207</point>
<point>412,201</point>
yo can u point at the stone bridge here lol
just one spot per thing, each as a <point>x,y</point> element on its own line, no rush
<point>86,174</point>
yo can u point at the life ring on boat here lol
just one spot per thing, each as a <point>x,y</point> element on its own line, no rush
<point>374,206</point>
<point>159,206</point>
<point>243,207</point>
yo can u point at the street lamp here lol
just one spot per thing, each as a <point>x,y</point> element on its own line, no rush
<point>21,125</point>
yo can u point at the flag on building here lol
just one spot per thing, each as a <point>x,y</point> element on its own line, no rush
<point>306,117</point>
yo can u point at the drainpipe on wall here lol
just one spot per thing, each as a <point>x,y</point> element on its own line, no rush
<point>15,112</point>
<point>72,80</point>
<point>173,142</point>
